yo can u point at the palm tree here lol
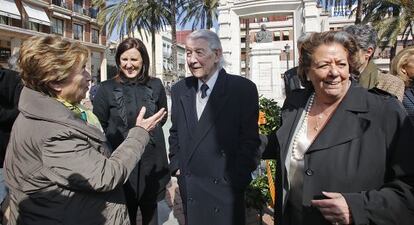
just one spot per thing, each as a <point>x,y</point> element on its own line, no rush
<point>129,15</point>
<point>202,12</point>
<point>392,19</point>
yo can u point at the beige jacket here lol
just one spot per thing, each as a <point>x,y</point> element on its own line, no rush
<point>59,170</point>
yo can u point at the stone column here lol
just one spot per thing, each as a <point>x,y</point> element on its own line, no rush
<point>265,70</point>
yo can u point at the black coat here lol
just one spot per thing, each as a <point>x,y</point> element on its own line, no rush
<point>117,104</point>
<point>408,102</point>
<point>216,154</point>
<point>10,88</point>
<point>365,152</point>
<point>292,80</point>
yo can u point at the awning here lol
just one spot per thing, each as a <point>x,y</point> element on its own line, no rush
<point>8,8</point>
<point>36,14</point>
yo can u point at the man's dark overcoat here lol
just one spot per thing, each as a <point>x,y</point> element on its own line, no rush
<point>216,154</point>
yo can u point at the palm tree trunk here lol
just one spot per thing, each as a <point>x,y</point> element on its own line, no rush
<point>173,39</point>
<point>358,15</point>
<point>247,47</point>
<point>153,62</point>
<point>209,18</point>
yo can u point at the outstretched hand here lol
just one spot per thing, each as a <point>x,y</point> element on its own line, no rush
<point>151,122</point>
<point>334,208</point>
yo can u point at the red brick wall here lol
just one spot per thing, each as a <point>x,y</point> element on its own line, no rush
<point>87,32</point>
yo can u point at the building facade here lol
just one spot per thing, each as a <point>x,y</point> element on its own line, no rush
<point>163,59</point>
<point>72,19</point>
<point>287,20</point>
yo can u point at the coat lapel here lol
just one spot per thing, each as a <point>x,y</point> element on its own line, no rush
<point>291,113</point>
<point>213,107</point>
<point>188,103</point>
<point>347,122</point>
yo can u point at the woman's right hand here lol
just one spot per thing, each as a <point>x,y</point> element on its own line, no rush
<point>151,122</point>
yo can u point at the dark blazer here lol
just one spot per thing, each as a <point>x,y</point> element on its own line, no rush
<point>117,104</point>
<point>364,152</point>
<point>10,88</point>
<point>408,102</point>
<point>216,154</point>
<point>292,80</point>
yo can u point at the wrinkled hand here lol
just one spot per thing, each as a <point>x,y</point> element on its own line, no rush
<point>334,208</point>
<point>151,122</point>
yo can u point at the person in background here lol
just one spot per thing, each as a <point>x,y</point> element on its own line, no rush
<point>369,76</point>
<point>291,78</point>
<point>403,67</point>
<point>58,167</point>
<point>10,88</point>
<point>344,154</point>
<point>116,104</point>
<point>214,136</point>
<point>94,88</point>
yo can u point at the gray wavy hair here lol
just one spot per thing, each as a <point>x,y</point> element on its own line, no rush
<point>364,34</point>
<point>212,39</point>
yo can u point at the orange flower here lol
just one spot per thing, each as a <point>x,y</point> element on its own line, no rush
<point>262,118</point>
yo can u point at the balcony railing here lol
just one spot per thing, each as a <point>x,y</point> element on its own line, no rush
<point>60,3</point>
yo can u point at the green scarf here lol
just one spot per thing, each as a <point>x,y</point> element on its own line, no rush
<point>82,113</point>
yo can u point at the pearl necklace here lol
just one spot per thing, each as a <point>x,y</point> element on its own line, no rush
<point>295,153</point>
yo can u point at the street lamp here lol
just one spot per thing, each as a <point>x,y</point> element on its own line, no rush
<point>287,51</point>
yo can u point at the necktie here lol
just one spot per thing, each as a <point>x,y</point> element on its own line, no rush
<point>204,88</point>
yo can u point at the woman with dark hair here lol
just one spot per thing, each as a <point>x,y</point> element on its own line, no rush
<point>345,154</point>
<point>115,104</point>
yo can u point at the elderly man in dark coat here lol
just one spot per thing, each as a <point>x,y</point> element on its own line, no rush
<point>214,135</point>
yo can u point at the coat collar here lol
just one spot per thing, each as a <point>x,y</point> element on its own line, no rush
<point>198,129</point>
<point>36,105</point>
<point>348,118</point>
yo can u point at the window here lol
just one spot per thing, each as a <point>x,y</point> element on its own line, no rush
<point>77,32</point>
<point>78,6</point>
<point>57,26</point>
<point>34,26</point>
<point>285,36</point>
<point>265,19</point>
<point>95,36</point>
<point>276,36</point>
<point>4,20</point>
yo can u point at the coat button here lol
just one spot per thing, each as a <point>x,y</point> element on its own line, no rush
<point>309,172</point>
<point>215,181</point>
<point>216,210</point>
<point>223,153</point>
<point>188,174</point>
<point>190,199</point>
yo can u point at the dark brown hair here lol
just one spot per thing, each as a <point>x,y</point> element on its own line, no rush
<point>124,46</point>
<point>315,40</point>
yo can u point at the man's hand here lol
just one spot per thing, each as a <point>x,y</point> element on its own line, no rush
<point>151,122</point>
<point>334,208</point>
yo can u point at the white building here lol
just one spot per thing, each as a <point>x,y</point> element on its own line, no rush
<point>163,43</point>
<point>287,20</point>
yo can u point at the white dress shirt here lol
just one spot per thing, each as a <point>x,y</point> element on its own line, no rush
<point>202,102</point>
